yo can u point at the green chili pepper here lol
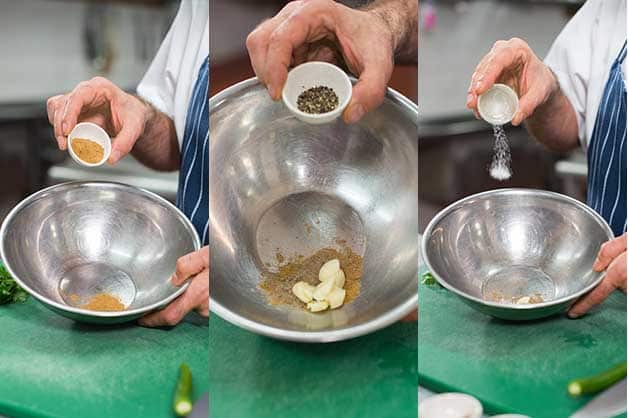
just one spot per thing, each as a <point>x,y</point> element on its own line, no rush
<point>183,392</point>
<point>597,383</point>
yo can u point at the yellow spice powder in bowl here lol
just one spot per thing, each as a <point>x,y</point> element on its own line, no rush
<point>89,144</point>
<point>88,151</point>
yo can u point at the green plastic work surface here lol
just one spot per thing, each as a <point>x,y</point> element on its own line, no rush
<point>254,376</point>
<point>51,366</point>
<point>515,367</point>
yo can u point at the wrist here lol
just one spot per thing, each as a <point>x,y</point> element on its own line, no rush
<point>148,113</point>
<point>554,89</point>
<point>399,20</point>
<point>140,110</point>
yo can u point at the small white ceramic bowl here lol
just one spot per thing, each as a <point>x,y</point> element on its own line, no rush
<point>498,104</point>
<point>93,132</point>
<point>314,74</point>
<point>450,405</point>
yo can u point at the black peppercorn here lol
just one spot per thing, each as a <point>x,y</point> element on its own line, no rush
<point>320,99</point>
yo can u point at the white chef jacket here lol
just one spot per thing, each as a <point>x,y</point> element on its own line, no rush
<point>170,79</point>
<point>582,55</point>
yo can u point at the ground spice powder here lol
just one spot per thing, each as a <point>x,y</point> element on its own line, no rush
<point>278,285</point>
<point>104,302</point>
<point>87,150</point>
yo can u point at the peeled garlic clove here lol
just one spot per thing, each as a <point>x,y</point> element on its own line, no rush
<point>323,290</point>
<point>303,291</point>
<point>336,298</point>
<point>340,279</point>
<point>329,269</point>
<point>318,306</point>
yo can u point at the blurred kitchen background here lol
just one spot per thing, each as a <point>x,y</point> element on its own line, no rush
<point>47,47</point>
<point>455,149</point>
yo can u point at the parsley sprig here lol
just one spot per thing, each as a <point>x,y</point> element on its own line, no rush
<point>428,279</point>
<point>10,291</point>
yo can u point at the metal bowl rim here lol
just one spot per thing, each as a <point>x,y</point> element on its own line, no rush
<point>382,321</point>
<point>511,191</point>
<point>340,334</point>
<point>408,105</point>
<point>117,314</point>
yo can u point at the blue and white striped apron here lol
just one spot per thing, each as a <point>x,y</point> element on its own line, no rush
<point>606,183</point>
<point>193,192</point>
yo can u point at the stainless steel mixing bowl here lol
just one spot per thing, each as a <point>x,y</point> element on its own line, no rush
<point>516,243</point>
<point>69,242</point>
<point>279,184</point>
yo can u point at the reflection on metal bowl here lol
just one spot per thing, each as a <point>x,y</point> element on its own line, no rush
<point>496,247</point>
<point>281,185</point>
<point>73,241</point>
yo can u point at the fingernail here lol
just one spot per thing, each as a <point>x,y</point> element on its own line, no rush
<point>515,120</point>
<point>61,143</point>
<point>173,279</point>
<point>469,99</point>
<point>596,264</point>
<point>275,94</point>
<point>115,156</point>
<point>355,113</point>
<point>573,315</point>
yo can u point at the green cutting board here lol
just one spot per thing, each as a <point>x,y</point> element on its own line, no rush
<point>53,367</point>
<point>515,367</point>
<point>255,376</point>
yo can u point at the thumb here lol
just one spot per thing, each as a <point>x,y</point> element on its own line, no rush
<point>527,105</point>
<point>368,93</point>
<point>609,251</point>
<point>123,142</point>
<point>171,315</point>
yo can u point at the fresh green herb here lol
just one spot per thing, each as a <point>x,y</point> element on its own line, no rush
<point>10,292</point>
<point>428,279</point>
<point>597,383</point>
<point>183,393</point>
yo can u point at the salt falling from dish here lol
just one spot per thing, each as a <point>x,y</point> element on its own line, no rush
<point>500,166</point>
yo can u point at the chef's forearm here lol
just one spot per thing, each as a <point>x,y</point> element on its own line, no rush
<point>402,17</point>
<point>554,123</point>
<point>158,147</point>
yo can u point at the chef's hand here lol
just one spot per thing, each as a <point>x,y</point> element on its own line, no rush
<point>323,30</point>
<point>99,101</point>
<point>195,268</point>
<point>612,258</point>
<point>513,63</point>
<point>411,317</point>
